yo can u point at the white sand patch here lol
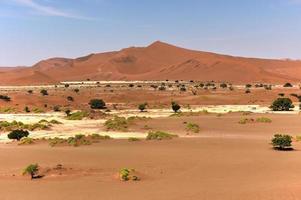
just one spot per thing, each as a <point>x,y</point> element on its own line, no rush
<point>89,126</point>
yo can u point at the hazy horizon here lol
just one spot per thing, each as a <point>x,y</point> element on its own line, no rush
<point>33,30</point>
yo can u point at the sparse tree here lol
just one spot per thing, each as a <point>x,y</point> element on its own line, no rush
<point>142,107</point>
<point>287,85</point>
<point>44,92</point>
<point>175,106</point>
<point>97,104</point>
<point>26,109</point>
<point>282,104</point>
<point>282,142</point>
<point>17,134</point>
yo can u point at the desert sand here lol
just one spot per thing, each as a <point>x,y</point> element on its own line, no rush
<point>226,160</point>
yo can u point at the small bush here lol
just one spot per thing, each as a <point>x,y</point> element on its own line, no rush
<point>79,115</point>
<point>282,142</point>
<point>142,107</point>
<point>26,141</point>
<point>56,108</point>
<point>287,85</point>
<point>162,88</point>
<point>126,174</point>
<point>53,121</point>
<point>246,120</point>
<point>37,110</point>
<point>97,104</point>
<point>133,139</point>
<point>44,92</point>
<point>281,94</point>
<point>31,170</point>
<point>55,141</point>
<point>117,124</point>
<point>223,85</point>
<point>9,126</point>
<point>248,85</point>
<point>26,109</point>
<point>264,120</point>
<point>159,135</point>
<point>17,134</point>
<point>191,127</point>
<point>182,89</point>
<point>5,98</point>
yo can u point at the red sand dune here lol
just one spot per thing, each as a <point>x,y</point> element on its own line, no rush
<point>159,61</point>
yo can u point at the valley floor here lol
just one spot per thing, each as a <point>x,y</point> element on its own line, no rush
<point>199,168</point>
<point>226,160</point>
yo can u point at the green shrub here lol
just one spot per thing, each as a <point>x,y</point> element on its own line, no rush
<point>246,120</point>
<point>100,137</point>
<point>7,110</point>
<point>31,170</point>
<point>133,139</point>
<point>191,127</point>
<point>79,115</point>
<point>264,120</point>
<point>26,141</point>
<point>9,126</point>
<point>282,142</point>
<point>17,134</point>
<point>117,124</point>
<point>53,121</point>
<point>142,107</point>
<point>37,110</point>
<point>55,141</point>
<point>126,174</point>
<point>159,135</point>
<point>97,104</point>
<point>78,140</point>
<point>121,123</point>
<point>282,104</point>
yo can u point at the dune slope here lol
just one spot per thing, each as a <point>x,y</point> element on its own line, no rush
<point>158,61</point>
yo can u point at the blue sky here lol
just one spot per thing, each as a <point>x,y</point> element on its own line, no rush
<point>31,30</point>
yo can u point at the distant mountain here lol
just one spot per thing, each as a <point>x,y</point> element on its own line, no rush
<point>158,61</point>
